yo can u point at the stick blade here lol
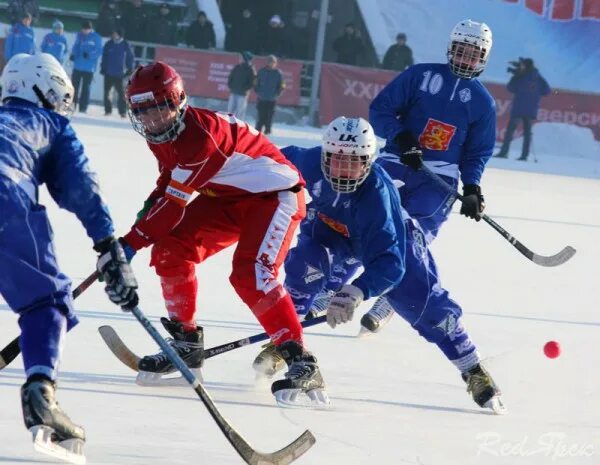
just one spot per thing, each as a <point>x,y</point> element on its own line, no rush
<point>283,456</point>
<point>554,260</point>
<point>118,347</point>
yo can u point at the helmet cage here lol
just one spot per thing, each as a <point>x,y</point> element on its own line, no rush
<point>161,127</point>
<point>462,55</point>
<point>352,169</point>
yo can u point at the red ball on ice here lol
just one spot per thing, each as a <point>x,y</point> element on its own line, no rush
<point>552,349</point>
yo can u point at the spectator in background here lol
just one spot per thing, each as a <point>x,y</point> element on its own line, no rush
<point>201,33</point>
<point>55,42</point>
<point>399,56</point>
<point>242,33</point>
<point>161,28</point>
<point>20,39</point>
<point>349,46</point>
<point>16,9</point>
<point>269,85</point>
<point>134,21</point>
<point>108,18</point>
<point>117,62</point>
<point>275,38</point>
<point>529,87</point>
<point>241,79</point>
<point>85,54</point>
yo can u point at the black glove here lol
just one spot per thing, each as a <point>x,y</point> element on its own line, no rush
<point>410,151</point>
<point>72,57</point>
<point>116,272</point>
<point>85,55</point>
<point>472,202</point>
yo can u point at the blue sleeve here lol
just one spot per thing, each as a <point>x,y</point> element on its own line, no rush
<point>74,186</point>
<point>8,46</point>
<point>393,100</point>
<point>76,46</point>
<point>98,49</point>
<point>44,46</point>
<point>545,88</point>
<point>103,59</point>
<point>383,241</point>
<point>479,145</point>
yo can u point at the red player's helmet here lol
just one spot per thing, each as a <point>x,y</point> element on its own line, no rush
<point>156,102</point>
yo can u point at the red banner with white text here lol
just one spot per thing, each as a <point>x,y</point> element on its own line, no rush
<point>205,73</point>
<point>348,90</point>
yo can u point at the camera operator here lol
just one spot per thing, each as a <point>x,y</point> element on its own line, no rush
<point>528,87</point>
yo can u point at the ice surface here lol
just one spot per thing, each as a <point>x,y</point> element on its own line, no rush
<point>396,400</point>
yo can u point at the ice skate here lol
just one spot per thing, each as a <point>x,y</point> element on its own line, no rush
<point>319,305</point>
<point>268,362</point>
<point>189,345</point>
<point>303,384</point>
<point>484,391</point>
<point>54,433</point>
<point>376,318</point>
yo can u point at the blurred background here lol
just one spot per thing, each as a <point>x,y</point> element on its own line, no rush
<point>362,45</point>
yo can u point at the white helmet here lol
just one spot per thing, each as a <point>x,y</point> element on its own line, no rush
<point>348,150</point>
<point>39,79</point>
<point>469,48</point>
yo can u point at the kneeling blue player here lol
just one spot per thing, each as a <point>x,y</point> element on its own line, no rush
<point>356,217</point>
<point>37,146</point>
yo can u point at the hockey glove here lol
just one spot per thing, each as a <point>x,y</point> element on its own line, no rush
<point>411,153</point>
<point>342,305</point>
<point>116,272</point>
<point>472,202</point>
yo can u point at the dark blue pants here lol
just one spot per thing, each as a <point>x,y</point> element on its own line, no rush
<point>31,282</point>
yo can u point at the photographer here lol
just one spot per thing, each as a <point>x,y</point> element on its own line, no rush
<point>528,86</point>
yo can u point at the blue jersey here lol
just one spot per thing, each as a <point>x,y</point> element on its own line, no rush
<point>366,224</point>
<point>37,147</point>
<point>453,119</point>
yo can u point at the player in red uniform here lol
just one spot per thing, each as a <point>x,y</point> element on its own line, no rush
<point>248,193</point>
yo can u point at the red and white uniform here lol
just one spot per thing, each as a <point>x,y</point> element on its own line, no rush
<point>248,193</point>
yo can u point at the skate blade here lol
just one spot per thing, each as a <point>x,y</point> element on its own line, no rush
<point>296,398</point>
<point>70,450</point>
<point>149,379</point>
<point>496,405</point>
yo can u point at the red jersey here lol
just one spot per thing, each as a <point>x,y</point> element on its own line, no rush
<point>215,155</point>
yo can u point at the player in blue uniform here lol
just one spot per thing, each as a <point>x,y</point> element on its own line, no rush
<point>38,146</point>
<point>440,115</point>
<point>356,217</point>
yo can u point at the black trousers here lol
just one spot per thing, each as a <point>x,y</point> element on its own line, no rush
<point>265,110</point>
<point>510,130</point>
<point>117,83</point>
<point>83,79</point>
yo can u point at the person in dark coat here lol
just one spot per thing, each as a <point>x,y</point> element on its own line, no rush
<point>117,62</point>
<point>161,28</point>
<point>399,56</point>
<point>242,33</point>
<point>201,33</point>
<point>269,86</point>
<point>134,21</point>
<point>109,18</point>
<point>349,46</point>
<point>528,87</point>
<point>241,79</point>
<point>275,38</point>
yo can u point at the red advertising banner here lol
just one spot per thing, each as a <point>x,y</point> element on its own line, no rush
<point>347,90</point>
<point>205,73</point>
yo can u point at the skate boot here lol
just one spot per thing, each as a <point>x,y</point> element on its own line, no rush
<point>482,388</point>
<point>53,431</point>
<point>268,362</point>
<point>189,345</point>
<point>319,305</point>
<point>376,318</point>
<point>303,384</point>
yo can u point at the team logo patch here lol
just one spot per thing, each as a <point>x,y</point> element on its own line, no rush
<point>335,225</point>
<point>447,325</point>
<point>13,87</point>
<point>312,274</point>
<point>437,135</point>
<point>465,95</point>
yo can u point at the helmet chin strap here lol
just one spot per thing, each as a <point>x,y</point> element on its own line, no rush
<point>44,101</point>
